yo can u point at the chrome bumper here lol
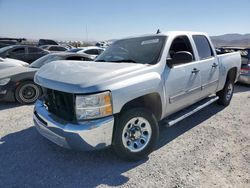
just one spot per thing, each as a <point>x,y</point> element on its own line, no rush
<point>88,135</point>
<point>244,78</point>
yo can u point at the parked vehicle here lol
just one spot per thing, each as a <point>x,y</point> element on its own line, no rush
<point>10,41</point>
<point>22,52</point>
<point>54,48</point>
<point>69,47</point>
<point>42,42</point>
<point>74,50</point>
<point>94,51</point>
<point>4,43</point>
<point>140,81</point>
<point>8,62</point>
<point>16,83</point>
<point>245,61</point>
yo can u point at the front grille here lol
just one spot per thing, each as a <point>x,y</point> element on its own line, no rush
<point>60,103</point>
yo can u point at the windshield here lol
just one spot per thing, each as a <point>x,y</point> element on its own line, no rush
<point>144,50</point>
<point>44,60</point>
<point>74,50</point>
<point>5,48</point>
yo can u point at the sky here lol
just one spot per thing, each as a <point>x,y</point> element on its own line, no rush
<point>112,19</point>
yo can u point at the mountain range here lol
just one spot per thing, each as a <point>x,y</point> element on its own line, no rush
<point>234,39</point>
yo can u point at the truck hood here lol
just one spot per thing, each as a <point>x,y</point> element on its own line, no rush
<point>81,77</point>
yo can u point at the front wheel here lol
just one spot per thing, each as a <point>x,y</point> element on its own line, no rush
<point>27,92</point>
<point>226,94</point>
<point>136,134</point>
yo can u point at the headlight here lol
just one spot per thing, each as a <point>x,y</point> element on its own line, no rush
<point>93,106</point>
<point>4,81</point>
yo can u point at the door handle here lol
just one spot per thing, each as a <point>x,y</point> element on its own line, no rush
<point>195,71</point>
<point>214,65</point>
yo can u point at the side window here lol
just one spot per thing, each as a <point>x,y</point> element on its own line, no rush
<point>203,47</point>
<point>77,58</point>
<point>92,52</point>
<point>18,51</point>
<point>180,43</point>
<point>57,48</point>
<point>100,51</point>
<point>34,50</point>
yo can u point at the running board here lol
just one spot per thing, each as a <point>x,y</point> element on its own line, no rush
<point>179,116</point>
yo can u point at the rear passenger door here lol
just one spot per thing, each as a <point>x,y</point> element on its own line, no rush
<point>209,67</point>
<point>34,54</point>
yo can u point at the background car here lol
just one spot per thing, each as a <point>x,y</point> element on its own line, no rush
<point>4,43</point>
<point>42,42</point>
<point>10,41</point>
<point>245,61</point>
<point>8,62</point>
<point>54,48</point>
<point>94,51</point>
<point>16,83</point>
<point>22,52</point>
<point>74,50</point>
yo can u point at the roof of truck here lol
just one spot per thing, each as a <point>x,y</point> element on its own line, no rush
<point>169,33</point>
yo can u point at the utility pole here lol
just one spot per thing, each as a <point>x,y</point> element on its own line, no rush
<point>87,37</point>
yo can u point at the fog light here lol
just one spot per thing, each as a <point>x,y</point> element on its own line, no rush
<point>3,92</point>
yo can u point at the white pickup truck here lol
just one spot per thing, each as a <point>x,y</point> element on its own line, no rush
<point>119,99</point>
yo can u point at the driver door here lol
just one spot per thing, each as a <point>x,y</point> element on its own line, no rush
<point>18,53</point>
<point>183,81</point>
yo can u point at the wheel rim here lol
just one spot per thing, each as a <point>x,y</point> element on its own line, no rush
<point>136,134</point>
<point>229,91</point>
<point>29,93</point>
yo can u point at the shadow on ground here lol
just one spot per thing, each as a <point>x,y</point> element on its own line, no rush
<point>240,88</point>
<point>6,105</point>
<point>27,159</point>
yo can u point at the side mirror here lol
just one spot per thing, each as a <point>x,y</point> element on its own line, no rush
<point>179,58</point>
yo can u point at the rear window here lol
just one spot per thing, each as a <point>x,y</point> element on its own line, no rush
<point>74,50</point>
<point>203,47</point>
<point>57,48</point>
<point>92,52</point>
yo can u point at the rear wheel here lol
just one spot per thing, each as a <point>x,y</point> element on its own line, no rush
<point>136,134</point>
<point>225,95</point>
<point>27,92</point>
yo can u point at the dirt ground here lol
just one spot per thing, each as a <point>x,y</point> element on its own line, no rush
<point>208,149</point>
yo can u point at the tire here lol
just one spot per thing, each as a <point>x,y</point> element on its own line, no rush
<point>27,92</point>
<point>226,94</point>
<point>136,134</point>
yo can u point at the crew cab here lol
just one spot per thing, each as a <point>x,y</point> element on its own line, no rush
<point>136,82</point>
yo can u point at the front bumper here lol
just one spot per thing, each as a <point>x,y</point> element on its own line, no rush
<point>244,78</point>
<point>89,135</point>
<point>7,92</point>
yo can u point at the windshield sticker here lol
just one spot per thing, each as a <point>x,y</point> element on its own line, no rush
<point>153,41</point>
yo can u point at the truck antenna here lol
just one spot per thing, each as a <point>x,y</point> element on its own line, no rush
<point>158,31</point>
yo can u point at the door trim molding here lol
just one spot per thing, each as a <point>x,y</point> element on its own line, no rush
<point>204,86</point>
<point>182,94</point>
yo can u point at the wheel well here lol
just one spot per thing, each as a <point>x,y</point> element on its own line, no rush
<point>231,75</point>
<point>21,81</point>
<point>151,102</point>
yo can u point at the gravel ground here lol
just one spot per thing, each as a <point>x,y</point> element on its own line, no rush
<point>208,149</point>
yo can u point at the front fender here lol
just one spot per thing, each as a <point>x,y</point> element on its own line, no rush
<point>132,88</point>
